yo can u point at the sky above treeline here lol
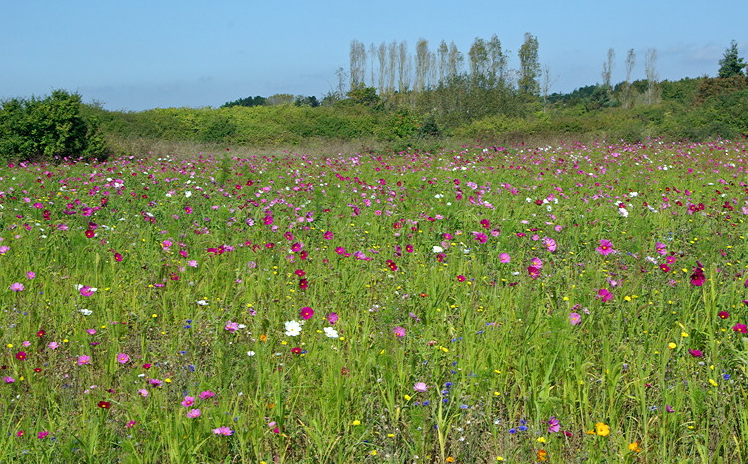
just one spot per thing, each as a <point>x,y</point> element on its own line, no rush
<point>143,54</point>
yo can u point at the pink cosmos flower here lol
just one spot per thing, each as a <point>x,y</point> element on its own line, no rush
<point>143,392</point>
<point>741,328</point>
<point>42,435</point>
<point>188,401</point>
<point>605,248</point>
<point>399,332</point>
<point>696,353</point>
<point>550,244</point>
<point>225,431</point>
<point>123,358</point>
<point>575,318</point>
<point>420,387</point>
<point>17,287</point>
<point>193,413</point>
<point>604,294</point>
<point>332,318</point>
<point>504,258</point>
<point>30,275</point>
<point>83,360</point>
<point>206,394</point>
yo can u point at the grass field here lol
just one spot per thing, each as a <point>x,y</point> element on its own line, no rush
<point>581,303</point>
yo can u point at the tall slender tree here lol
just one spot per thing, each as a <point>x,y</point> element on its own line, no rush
<point>455,59</point>
<point>423,63</point>
<point>443,53</point>
<point>478,55</point>
<point>650,68</point>
<point>383,67</point>
<point>529,66</point>
<point>357,64</point>
<point>496,60</point>
<point>628,97</point>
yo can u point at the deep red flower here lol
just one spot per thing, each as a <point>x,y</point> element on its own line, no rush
<point>90,233</point>
<point>296,350</point>
<point>21,356</point>
<point>723,314</point>
<point>41,333</point>
<point>104,404</point>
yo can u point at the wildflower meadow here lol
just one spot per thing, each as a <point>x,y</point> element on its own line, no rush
<point>577,303</point>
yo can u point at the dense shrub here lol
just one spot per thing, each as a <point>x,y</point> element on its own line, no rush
<point>50,128</point>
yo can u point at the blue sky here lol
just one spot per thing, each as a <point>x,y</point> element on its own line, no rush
<point>142,54</point>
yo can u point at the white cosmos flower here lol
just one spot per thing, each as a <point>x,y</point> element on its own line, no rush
<point>250,353</point>
<point>293,328</point>
<point>437,249</point>
<point>330,332</point>
<point>85,312</point>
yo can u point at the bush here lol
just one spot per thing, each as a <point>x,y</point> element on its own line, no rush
<point>48,129</point>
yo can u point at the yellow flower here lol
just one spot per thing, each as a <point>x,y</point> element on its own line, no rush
<point>407,397</point>
<point>713,382</point>
<point>450,459</point>
<point>373,452</point>
<point>671,345</point>
<point>356,422</point>
<point>635,447</point>
<point>602,429</point>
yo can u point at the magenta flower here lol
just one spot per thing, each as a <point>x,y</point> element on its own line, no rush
<point>741,328</point>
<point>605,248</point>
<point>188,401</point>
<point>504,258</point>
<point>123,358</point>
<point>225,431</point>
<point>332,318</point>
<point>83,360</point>
<point>698,278</point>
<point>17,287</point>
<point>604,294</point>
<point>420,387</point>
<point>143,392</point>
<point>553,425</point>
<point>306,312</point>
<point>575,318</point>
<point>399,332</point>
<point>533,271</point>
<point>193,413</point>
<point>42,435</point>
<point>30,275</point>
<point>696,353</point>
<point>206,394</point>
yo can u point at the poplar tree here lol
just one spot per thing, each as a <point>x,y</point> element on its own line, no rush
<point>529,66</point>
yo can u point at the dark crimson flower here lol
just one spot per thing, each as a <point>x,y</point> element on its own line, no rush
<point>303,284</point>
<point>296,350</point>
<point>698,278</point>
<point>104,404</point>
<point>41,333</point>
<point>90,233</point>
<point>21,356</point>
<point>723,314</point>
<point>696,353</point>
<point>460,278</point>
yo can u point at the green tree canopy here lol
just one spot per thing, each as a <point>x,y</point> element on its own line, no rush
<point>731,64</point>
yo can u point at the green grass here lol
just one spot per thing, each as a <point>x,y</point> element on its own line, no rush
<point>496,349</point>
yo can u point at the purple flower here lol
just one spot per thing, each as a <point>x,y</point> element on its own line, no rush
<point>399,331</point>
<point>17,287</point>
